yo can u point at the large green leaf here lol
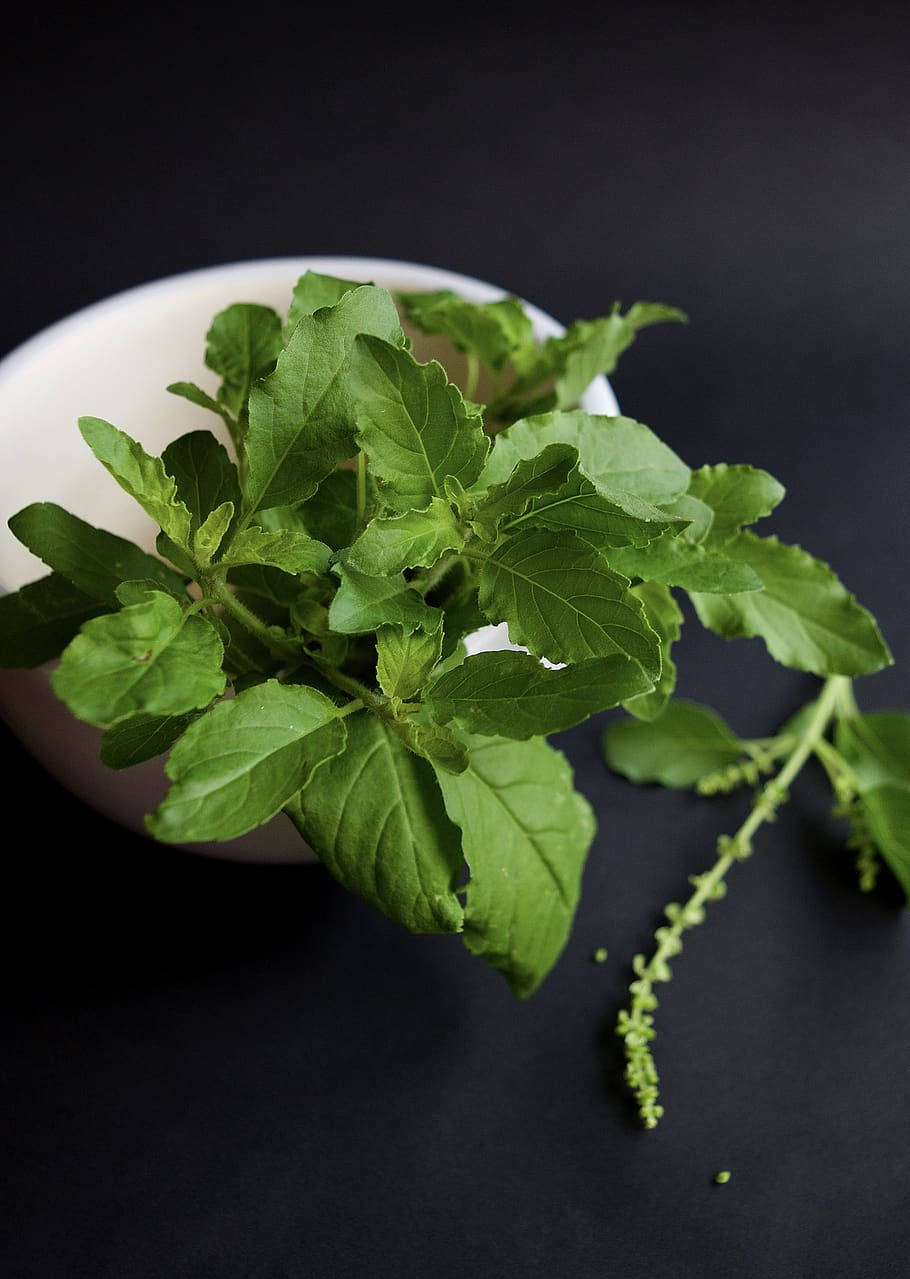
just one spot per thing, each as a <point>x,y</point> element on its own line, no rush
<point>241,346</point>
<point>887,812</point>
<point>205,476</point>
<point>330,515</point>
<point>239,765</point>
<point>877,747</point>
<point>601,521</point>
<point>805,615</point>
<point>509,694</point>
<point>684,744</point>
<point>415,539</point>
<point>365,603</point>
<point>413,424</point>
<point>92,559</point>
<point>677,561</point>
<point>39,620</point>
<point>562,601</point>
<point>151,657</point>
<point>526,833</point>
<point>737,495</point>
<point>492,331</point>
<point>376,819</point>
<point>302,416</point>
<point>142,476</point>
<point>665,619</point>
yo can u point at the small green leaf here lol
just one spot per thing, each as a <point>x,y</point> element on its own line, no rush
<point>210,533</point>
<point>686,743</point>
<point>562,601</point>
<point>665,619</point>
<point>737,495</point>
<point>205,476</point>
<point>602,522</point>
<point>242,346</point>
<point>437,744</point>
<point>877,748</point>
<point>39,620</point>
<point>365,603</point>
<point>887,813</point>
<point>302,416</point>
<point>142,476</point>
<point>492,331</point>
<point>404,662</point>
<point>526,835</point>
<point>238,766</point>
<point>151,657</point>
<point>93,560</point>
<point>413,424</point>
<point>805,615</point>
<point>389,544</point>
<point>142,737</point>
<point>675,561</point>
<point>376,819</point>
<point>292,552</point>
<point>509,694</point>
<point>531,478</point>
<point>314,291</point>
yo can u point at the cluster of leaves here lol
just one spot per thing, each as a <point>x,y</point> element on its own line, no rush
<point>297,644</point>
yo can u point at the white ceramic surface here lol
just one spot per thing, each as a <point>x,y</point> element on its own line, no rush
<point>113,360</point>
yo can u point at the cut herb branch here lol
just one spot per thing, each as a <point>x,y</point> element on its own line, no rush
<point>297,644</point>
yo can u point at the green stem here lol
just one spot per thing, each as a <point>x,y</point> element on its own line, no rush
<point>472,377</point>
<point>636,1024</point>
<point>219,591</point>
<point>361,488</point>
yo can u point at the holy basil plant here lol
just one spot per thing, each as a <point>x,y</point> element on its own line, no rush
<point>297,644</point>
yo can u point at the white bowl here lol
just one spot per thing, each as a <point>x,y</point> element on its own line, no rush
<point>113,360</point>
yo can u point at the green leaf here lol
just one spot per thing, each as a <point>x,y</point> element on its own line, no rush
<point>389,544</point>
<point>562,601</point>
<point>737,495</point>
<point>205,476</point>
<point>687,742</point>
<point>376,820</point>
<point>675,561</point>
<point>314,291</point>
<point>330,515</point>
<point>531,478</point>
<point>602,522</point>
<point>242,345</point>
<point>877,748</point>
<point>887,812</point>
<point>142,737</point>
<point>142,476</point>
<point>698,516</point>
<point>509,694</point>
<point>437,744</point>
<point>302,416</point>
<point>151,657</point>
<point>404,662</point>
<point>492,331</point>
<point>365,603</point>
<point>292,552</point>
<point>806,617</point>
<point>665,619</point>
<point>413,424</point>
<point>526,834</point>
<point>195,394</point>
<point>93,560</point>
<point>238,766</point>
<point>210,533</point>
<point>620,457</point>
<point>39,620</point>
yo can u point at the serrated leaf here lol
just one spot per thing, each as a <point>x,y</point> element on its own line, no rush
<point>562,601</point>
<point>365,603</point>
<point>413,424</point>
<point>312,292</point>
<point>492,331</point>
<point>404,662</point>
<point>302,416</point>
<point>887,812</point>
<point>509,694</point>
<point>289,551</point>
<point>210,533</point>
<point>142,737</point>
<point>151,657</point>
<point>737,495</point>
<point>531,478</point>
<point>686,743</point>
<point>39,620</point>
<point>95,561</point>
<point>205,476</point>
<point>665,619</point>
<point>238,766</point>
<point>805,615</point>
<point>416,539</point>
<point>622,458</point>
<point>142,476</point>
<point>241,346</point>
<point>877,747</point>
<point>436,743</point>
<point>675,561</point>
<point>603,523</point>
<point>377,821</point>
<point>526,834</point>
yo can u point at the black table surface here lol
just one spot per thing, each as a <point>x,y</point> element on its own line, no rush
<point>222,1070</point>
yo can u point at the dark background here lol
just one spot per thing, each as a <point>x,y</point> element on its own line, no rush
<point>222,1070</point>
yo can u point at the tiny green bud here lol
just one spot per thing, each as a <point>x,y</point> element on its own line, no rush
<point>722,1178</point>
<point>600,955</point>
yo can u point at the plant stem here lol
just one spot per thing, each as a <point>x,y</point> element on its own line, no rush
<point>219,591</point>
<point>361,487</point>
<point>472,377</point>
<point>636,1024</point>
